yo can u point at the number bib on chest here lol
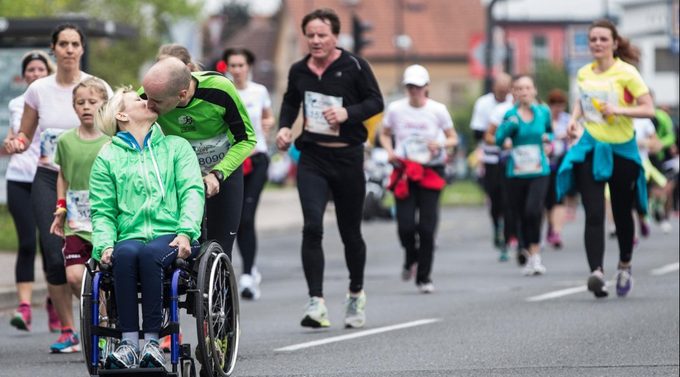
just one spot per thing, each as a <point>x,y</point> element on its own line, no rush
<point>210,151</point>
<point>416,150</point>
<point>78,210</point>
<point>48,147</point>
<point>315,104</point>
<point>527,159</point>
<point>591,103</point>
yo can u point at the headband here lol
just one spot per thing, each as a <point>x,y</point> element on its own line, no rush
<point>30,58</point>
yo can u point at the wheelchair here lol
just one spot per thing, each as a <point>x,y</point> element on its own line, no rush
<point>205,287</point>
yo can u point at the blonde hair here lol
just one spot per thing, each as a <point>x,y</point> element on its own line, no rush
<point>94,84</point>
<point>180,52</point>
<point>51,68</point>
<point>105,119</point>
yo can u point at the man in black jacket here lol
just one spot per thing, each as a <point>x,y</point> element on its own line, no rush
<point>339,92</point>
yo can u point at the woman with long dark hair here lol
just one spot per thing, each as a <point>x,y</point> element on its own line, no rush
<point>611,93</point>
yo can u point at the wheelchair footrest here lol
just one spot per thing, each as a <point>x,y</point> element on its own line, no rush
<point>145,372</point>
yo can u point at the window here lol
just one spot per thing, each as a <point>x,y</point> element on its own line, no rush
<point>665,60</point>
<point>540,48</point>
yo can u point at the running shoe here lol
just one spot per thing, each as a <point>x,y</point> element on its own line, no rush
<point>54,323</point>
<point>249,286</point>
<point>408,273</point>
<point>666,226</point>
<point>522,257</point>
<point>534,266</point>
<point>22,317</point>
<point>167,341</point>
<point>355,316</point>
<point>612,231</point>
<point>67,342</point>
<point>426,288</point>
<point>504,256</point>
<point>554,239</point>
<point>624,281</point>
<point>597,285</point>
<point>644,226</point>
<point>316,314</point>
<point>152,355</point>
<point>126,356</point>
<point>512,242</point>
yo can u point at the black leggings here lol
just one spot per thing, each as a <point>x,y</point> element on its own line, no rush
<point>495,188</point>
<point>44,200</point>
<point>622,189</point>
<point>253,184</point>
<point>224,211</point>
<point>339,170</point>
<point>417,238</point>
<point>18,197</point>
<point>527,197</point>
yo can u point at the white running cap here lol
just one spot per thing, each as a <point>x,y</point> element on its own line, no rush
<point>416,75</point>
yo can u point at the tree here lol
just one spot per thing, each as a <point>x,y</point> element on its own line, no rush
<point>549,76</point>
<point>116,61</point>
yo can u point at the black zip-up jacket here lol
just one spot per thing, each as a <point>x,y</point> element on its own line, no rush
<point>349,77</point>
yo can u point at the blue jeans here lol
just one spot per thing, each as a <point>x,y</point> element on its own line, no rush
<point>133,262</point>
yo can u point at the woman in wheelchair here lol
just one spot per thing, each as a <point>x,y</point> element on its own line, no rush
<point>147,200</point>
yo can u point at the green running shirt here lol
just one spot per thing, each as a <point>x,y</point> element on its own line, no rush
<point>215,122</point>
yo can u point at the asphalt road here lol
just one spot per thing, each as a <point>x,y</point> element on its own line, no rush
<point>485,318</point>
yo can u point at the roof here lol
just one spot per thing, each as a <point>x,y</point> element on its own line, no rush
<point>438,30</point>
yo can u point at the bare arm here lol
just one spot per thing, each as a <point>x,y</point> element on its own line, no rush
<point>60,215</point>
<point>386,142</point>
<point>29,123</point>
<point>490,134</point>
<point>267,120</point>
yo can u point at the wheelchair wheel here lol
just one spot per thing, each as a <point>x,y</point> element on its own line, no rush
<point>106,319</point>
<point>217,313</point>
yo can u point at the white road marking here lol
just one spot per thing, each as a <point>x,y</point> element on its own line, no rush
<point>666,269</point>
<point>563,292</point>
<point>355,335</point>
<point>583,288</point>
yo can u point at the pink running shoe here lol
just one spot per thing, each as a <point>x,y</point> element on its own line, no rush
<point>555,240</point>
<point>22,317</point>
<point>54,323</point>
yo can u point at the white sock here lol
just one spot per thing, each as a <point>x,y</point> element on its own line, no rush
<point>151,335</point>
<point>132,336</point>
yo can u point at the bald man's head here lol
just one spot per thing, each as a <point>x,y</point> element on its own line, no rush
<point>166,85</point>
<point>501,86</point>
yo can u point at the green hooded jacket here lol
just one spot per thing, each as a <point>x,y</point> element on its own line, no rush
<point>143,194</point>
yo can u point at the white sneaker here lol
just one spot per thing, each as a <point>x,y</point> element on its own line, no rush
<point>533,266</point>
<point>316,314</point>
<point>666,226</point>
<point>355,315</point>
<point>249,287</point>
<point>426,288</point>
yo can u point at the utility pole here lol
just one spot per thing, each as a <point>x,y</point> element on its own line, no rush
<point>488,56</point>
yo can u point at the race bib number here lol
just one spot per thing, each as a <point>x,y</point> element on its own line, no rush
<point>416,150</point>
<point>78,210</point>
<point>210,151</point>
<point>315,104</point>
<point>48,147</point>
<point>527,159</point>
<point>591,104</point>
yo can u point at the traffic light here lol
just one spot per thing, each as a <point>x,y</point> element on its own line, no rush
<point>358,29</point>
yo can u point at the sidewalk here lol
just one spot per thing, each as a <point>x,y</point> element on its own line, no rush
<point>279,212</point>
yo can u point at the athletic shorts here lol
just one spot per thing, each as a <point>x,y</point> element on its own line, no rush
<point>76,251</point>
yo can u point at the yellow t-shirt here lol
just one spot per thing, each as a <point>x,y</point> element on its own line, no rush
<point>621,84</point>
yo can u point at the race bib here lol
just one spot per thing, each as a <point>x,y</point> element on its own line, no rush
<point>591,103</point>
<point>416,150</point>
<point>315,104</point>
<point>210,151</point>
<point>78,210</point>
<point>527,159</point>
<point>48,147</point>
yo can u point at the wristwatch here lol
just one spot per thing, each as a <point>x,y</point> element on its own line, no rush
<point>218,174</point>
